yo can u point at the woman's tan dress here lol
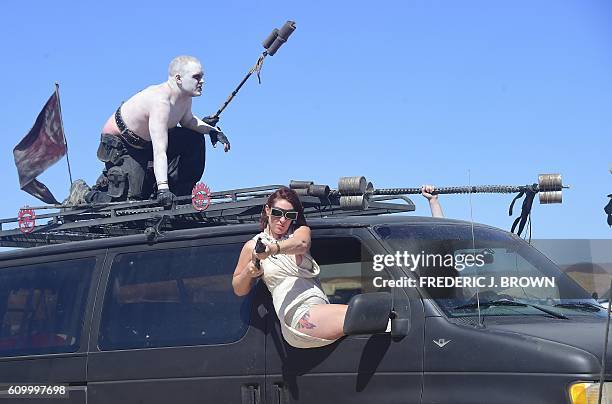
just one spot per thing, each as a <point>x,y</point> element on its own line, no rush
<point>294,288</point>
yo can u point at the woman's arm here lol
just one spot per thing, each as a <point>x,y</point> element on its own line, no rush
<point>297,245</point>
<point>246,272</point>
<point>434,204</point>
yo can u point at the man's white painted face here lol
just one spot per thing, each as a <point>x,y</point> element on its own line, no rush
<point>192,79</point>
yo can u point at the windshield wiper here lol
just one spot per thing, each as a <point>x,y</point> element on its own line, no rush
<point>487,303</point>
<point>584,306</point>
<point>509,303</point>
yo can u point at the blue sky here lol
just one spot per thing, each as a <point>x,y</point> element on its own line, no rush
<point>402,92</point>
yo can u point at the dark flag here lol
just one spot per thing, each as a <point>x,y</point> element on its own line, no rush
<point>42,147</point>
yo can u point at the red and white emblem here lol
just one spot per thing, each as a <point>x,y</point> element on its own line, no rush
<point>200,196</point>
<point>26,219</point>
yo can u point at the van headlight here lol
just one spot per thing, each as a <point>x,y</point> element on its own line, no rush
<point>588,393</point>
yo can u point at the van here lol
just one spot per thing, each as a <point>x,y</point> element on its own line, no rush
<point>153,319</point>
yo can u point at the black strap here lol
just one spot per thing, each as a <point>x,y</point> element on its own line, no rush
<point>127,134</point>
<point>520,194</point>
<point>525,210</point>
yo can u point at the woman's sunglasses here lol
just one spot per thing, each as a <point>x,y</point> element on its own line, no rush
<point>289,214</point>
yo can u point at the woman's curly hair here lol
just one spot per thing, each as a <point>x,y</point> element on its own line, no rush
<point>292,198</point>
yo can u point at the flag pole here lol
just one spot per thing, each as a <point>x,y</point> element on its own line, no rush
<point>59,105</point>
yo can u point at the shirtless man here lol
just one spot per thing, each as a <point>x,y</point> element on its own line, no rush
<point>143,132</point>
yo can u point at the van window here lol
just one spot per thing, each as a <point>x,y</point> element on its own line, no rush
<point>42,306</point>
<point>508,269</point>
<point>173,297</point>
<point>346,268</point>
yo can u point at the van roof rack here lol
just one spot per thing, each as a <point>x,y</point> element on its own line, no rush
<point>203,209</point>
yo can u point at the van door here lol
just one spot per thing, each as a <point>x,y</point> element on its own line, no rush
<point>169,328</point>
<point>45,304</point>
<point>355,369</point>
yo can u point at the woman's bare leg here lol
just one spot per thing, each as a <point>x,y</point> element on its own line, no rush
<point>324,321</point>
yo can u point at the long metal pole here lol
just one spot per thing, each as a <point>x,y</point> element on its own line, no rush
<point>233,94</point>
<point>475,189</point>
<point>59,105</point>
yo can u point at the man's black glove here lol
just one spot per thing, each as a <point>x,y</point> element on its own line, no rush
<point>165,197</point>
<point>218,136</point>
<point>211,120</point>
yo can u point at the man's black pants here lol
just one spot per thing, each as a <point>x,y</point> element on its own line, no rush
<point>128,172</point>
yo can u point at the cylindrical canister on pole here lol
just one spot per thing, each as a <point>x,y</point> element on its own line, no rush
<point>281,37</point>
<point>352,185</point>
<point>296,184</point>
<point>270,39</point>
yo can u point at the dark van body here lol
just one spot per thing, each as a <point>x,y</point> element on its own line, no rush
<point>125,320</point>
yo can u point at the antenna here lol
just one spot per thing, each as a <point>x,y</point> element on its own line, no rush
<point>602,376</point>
<point>474,248</point>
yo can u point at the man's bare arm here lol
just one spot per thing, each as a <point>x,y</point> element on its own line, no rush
<point>194,123</point>
<point>158,128</point>
<point>191,122</point>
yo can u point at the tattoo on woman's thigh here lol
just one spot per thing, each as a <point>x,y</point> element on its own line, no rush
<point>305,323</point>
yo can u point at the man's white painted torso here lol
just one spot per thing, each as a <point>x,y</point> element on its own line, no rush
<point>136,110</point>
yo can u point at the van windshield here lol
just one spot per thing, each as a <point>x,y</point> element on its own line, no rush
<point>465,269</point>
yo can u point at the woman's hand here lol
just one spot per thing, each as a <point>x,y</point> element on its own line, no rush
<point>252,270</point>
<point>246,272</point>
<point>270,250</point>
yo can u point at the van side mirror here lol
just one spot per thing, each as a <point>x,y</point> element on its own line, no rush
<point>368,313</point>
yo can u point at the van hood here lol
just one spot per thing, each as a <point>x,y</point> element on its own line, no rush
<point>583,333</point>
<point>517,344</point>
